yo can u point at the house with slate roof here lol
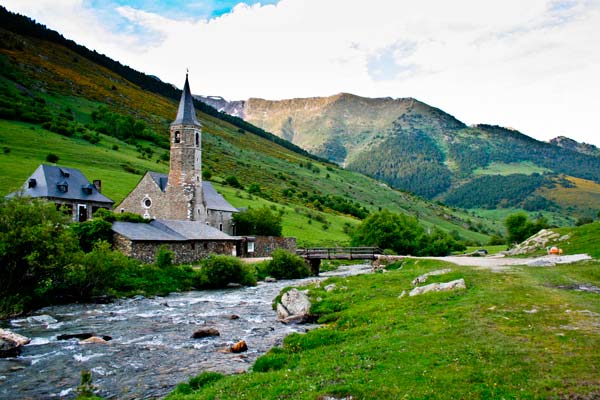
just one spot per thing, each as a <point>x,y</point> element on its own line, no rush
<point>181,194</point>
<point>190,241</point>
<point>67,188</point>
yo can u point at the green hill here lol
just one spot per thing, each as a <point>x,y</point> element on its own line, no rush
<point>112,123</point>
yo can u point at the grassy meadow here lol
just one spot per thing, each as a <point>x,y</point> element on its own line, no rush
<point>508,335</point>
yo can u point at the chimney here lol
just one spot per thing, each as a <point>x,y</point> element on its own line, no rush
<point>98,184</point>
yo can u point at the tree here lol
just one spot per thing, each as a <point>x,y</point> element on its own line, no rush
<point>519,227</point>
<point>387,230</point>
<point>35,244</point>
<point>257,221</point>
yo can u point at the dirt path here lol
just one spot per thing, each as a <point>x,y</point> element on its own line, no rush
<point>501,263</point>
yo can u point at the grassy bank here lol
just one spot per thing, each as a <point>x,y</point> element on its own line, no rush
<point>509,335</point>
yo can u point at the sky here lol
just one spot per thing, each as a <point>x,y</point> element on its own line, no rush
<point>531,65</point>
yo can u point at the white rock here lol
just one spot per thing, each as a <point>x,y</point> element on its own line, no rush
<point>439,287</point>
<point>423,278</point>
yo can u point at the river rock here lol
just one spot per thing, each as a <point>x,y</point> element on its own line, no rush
<point>270,279</point>
<point>239,347</point>
<point>330,288</point>
<point>234,316</point>
<point>439,287</point>
<point>205,332</point>
<point>423,278</point>
<point>294,306</point>
<point>41,320</point>
<point>93,340</point>
<point>82,336</point>
<point>11,343</point>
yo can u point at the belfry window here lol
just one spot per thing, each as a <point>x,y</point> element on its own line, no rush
<point>177,138</point>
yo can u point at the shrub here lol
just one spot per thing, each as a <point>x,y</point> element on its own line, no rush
<point>286,265</point>
<point>233,182</point>
<point>164,257</point>
<point>52,158</point>
<point>218,270</point>
<point>274,360</point>
<point>91,232</point>
<point>254,188</point>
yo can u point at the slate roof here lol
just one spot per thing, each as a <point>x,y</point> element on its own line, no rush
<point>212,199</point>
<point>186,114</point>
<point>169,231</point>
<point>48,180</point>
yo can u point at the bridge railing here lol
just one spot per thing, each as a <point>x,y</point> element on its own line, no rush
<point>349,253</point>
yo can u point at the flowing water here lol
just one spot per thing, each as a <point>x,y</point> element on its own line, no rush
<point>151,348</point>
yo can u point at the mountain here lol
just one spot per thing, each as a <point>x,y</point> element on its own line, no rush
<point>574,145</point>
<point>419,148</point>
<point>112,123</point>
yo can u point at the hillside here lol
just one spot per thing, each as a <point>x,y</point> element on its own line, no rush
<point>415,147</point>
<point>54,99</point>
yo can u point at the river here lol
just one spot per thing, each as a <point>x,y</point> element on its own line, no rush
<point>151,348</point>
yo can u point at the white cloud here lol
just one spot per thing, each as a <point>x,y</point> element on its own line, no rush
<point>528,64</point>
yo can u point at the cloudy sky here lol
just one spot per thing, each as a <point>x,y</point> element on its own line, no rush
<point>533,65</point>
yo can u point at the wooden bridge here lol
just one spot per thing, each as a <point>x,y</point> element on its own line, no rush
<point>313,256</point>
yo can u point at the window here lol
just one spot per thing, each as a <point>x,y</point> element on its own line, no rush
<point>221,227</point>
<point>250,247</point>
<point>177,138</point>
<point>146,202</point>
<point>193,245</point>
<point>197,140</point>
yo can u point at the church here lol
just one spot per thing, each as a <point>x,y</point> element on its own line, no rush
<point>181,195</point>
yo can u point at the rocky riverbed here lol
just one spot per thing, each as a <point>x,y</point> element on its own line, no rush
<point>151,348</point>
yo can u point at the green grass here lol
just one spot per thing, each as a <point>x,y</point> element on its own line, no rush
<point>584,239</point>
<point>499,168</point>
<point>30,144</point>
<point>296,221</point>
<point>483,342</point>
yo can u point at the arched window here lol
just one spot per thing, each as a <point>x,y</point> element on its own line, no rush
<point>177,138</point>
<point>197,140</point>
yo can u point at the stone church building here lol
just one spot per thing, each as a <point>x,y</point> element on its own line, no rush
<point>181,195</point>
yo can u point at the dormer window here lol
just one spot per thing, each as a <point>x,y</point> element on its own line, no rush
<point>64,173</point>
<point>177,138</point>
<point>62,187</point>
<point>87,189</point>
<point>32,183</point>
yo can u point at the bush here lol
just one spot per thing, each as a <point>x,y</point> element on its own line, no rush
<point>233,182</point>
<point>164,257</point>
<point>286,265</point>
<point>218,270</point>
<point>91,232</point>
<point>52,158</point>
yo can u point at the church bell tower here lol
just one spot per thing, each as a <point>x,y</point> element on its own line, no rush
<point>185,174</point>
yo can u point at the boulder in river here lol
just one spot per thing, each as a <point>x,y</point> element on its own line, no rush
<point>93,340</point>
<point>294,307</point>
<point>239,347</point>
<point>205,332</point>
<point>82,336</point>
<point>11,343</point>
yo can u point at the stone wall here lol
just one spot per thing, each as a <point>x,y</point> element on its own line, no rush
<point>184,252</point>
<point>265,245</point>
<point>222,220</point>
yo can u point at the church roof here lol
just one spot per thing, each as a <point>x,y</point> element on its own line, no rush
<point>212,199</point>
<point>51,181</point>
<point>169,231</point>
<point>186,114</point>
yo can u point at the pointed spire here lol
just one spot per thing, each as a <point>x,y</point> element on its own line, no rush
<point>186,114</point>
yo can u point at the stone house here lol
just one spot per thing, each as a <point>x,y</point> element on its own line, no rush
<point>182,194</point>
<point>190,241</point>
<point>67,188</point>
